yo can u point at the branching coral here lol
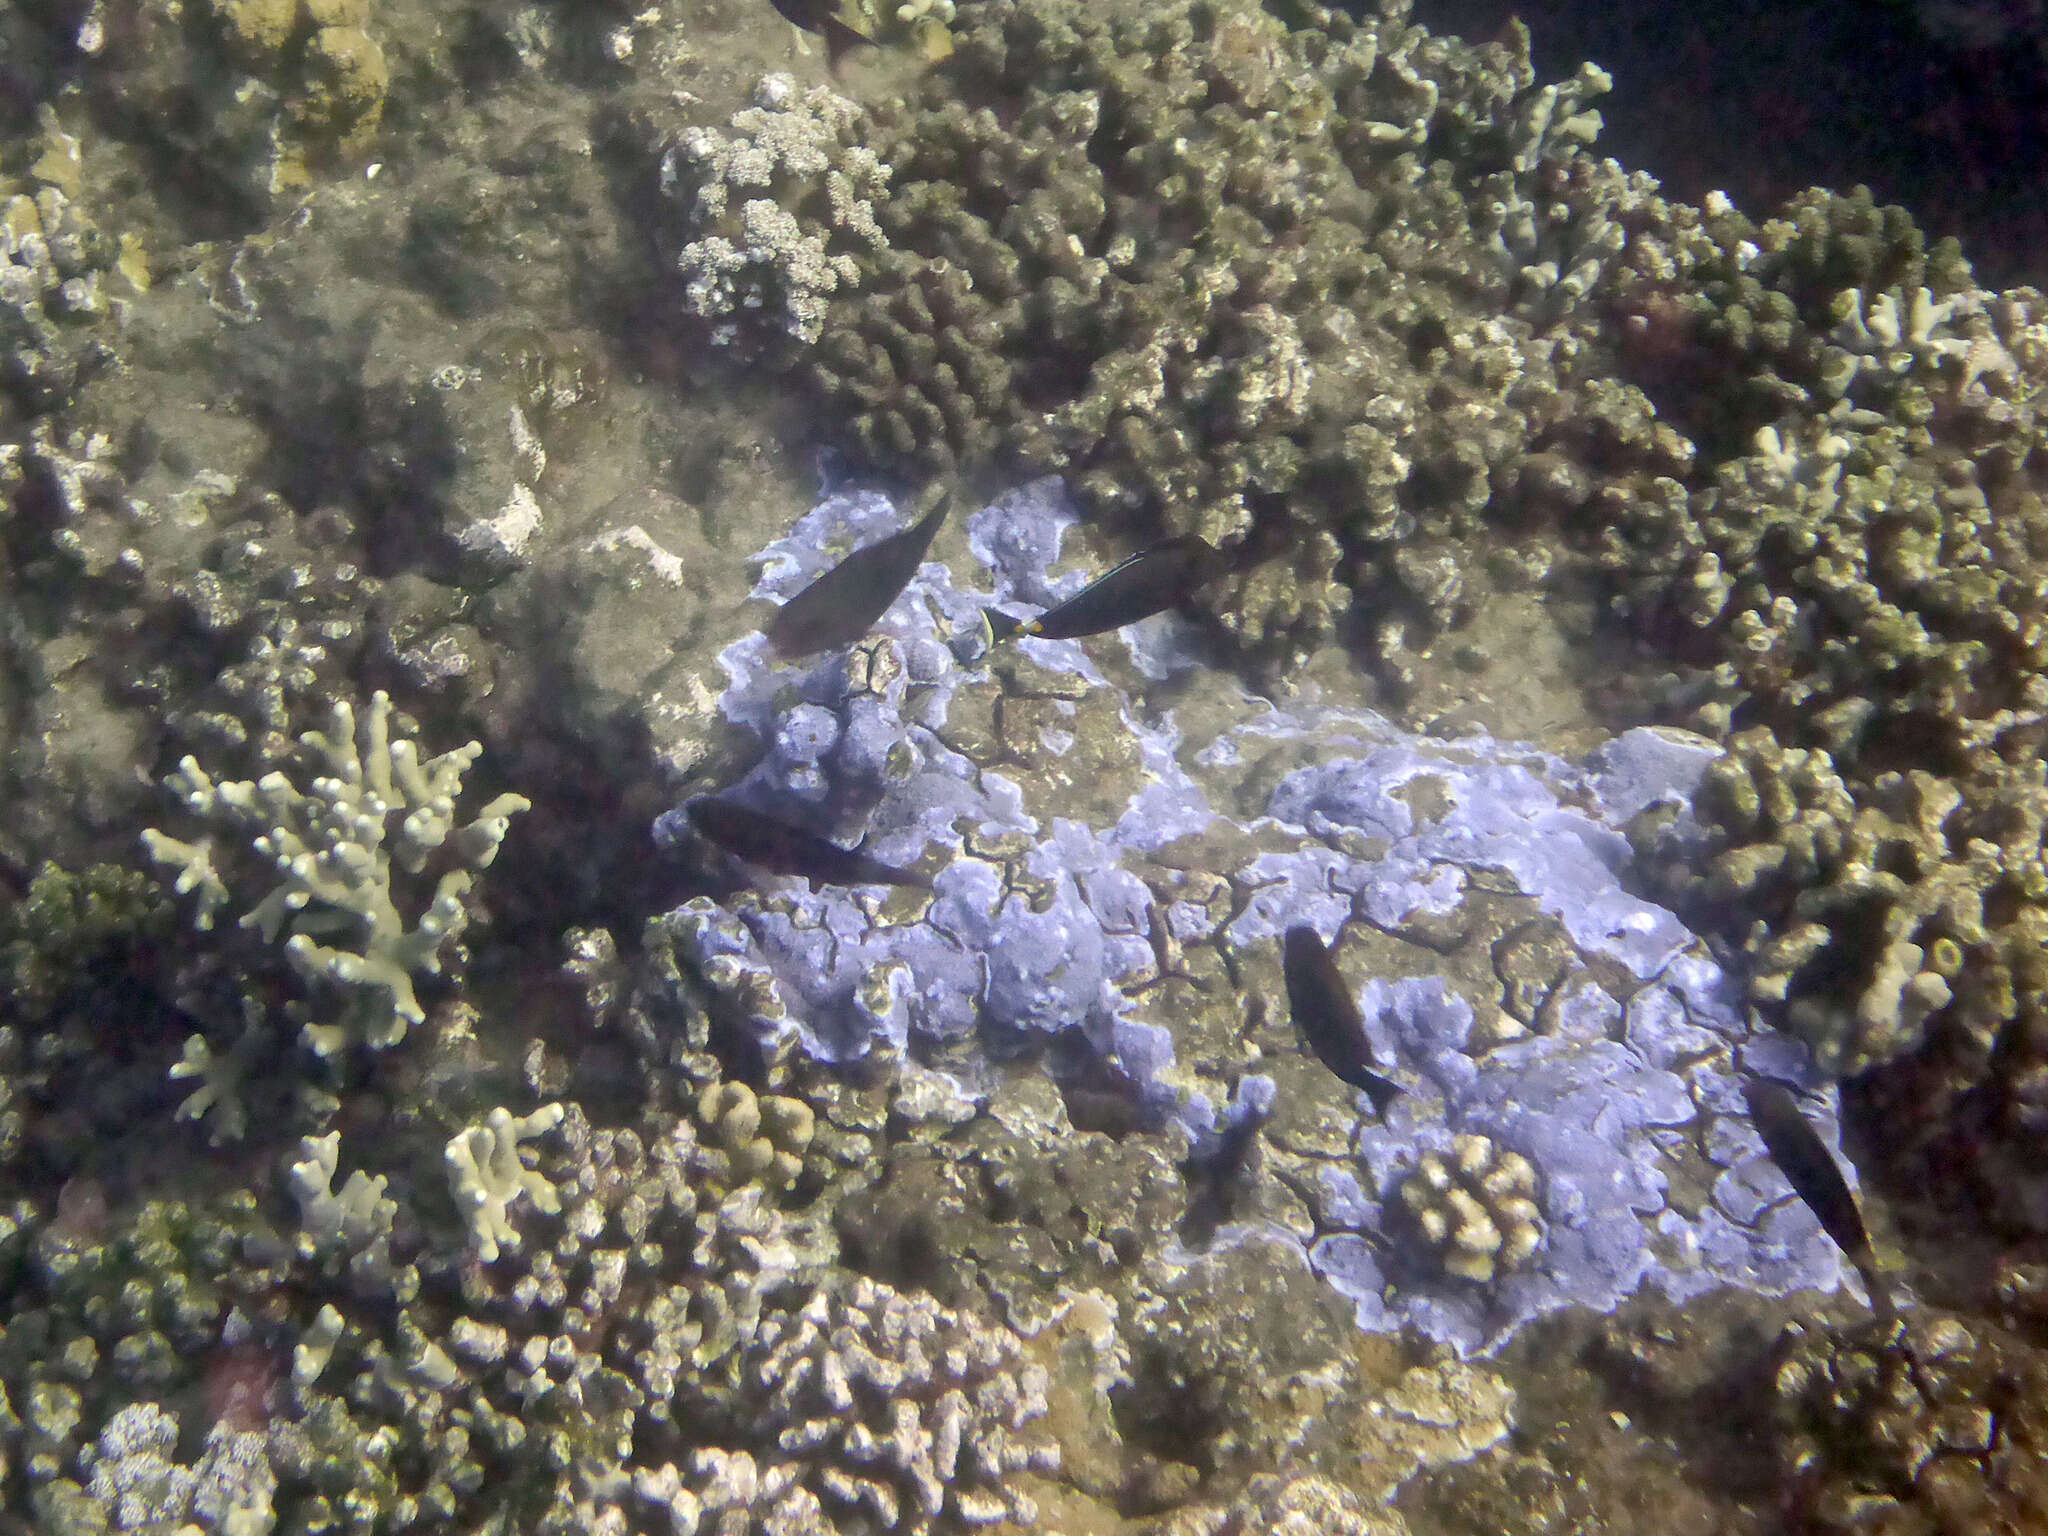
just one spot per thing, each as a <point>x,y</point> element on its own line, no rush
<point>344,850</point>
<point>900,1411</point>
<point>487,1176</point>
<point>778,208</point>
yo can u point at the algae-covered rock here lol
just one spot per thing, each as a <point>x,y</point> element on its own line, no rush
<point>1925,1425</point>
<point>257,30</point>
<point>345,79</point>
<point>253,100</point>
<point>73,929</point>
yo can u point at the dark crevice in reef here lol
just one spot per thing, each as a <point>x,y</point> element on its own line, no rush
<point>1761,99</point>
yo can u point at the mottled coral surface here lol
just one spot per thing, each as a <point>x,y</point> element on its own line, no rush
<point>1042,935</point>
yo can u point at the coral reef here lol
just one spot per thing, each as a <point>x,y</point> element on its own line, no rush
<point>848,1210</point>
<point>1820,873</point>
<point>662,1344</point>
<point>1850,579</point>
<point>1235,277</point>
<point>1340,296</point>
<point>356,1220</point>
<point>896,1411</point>
<point>137,1484</point>
<point>761,1138</point>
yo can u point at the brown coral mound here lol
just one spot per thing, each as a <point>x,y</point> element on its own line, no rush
<point>1916,1429</point>
<point>1279,286</point>
<point>1854,577</point>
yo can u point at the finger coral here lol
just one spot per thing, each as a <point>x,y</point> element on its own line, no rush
<point>346,850</point>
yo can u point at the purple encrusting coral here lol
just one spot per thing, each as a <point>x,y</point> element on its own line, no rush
<point>860,750</point>
<point>1603,1103</point>
<point>1629,1118</point>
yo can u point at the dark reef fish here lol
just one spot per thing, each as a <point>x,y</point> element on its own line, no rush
<point>1810,1168</point>
<point>789,850</point>
<point>1327,1016</point>
<point>849,24</point>
<point>1151,581</point>
<point>844,24</point>
<point>843,604</point>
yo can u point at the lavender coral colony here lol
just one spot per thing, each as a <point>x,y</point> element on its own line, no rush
<point>1545,1129</point>
<point>1202,1075</point>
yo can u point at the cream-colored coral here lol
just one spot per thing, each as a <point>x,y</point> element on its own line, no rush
<point>897,1412</point>
<point>1905,331</point>
<point>342,849</point>
<point>218,1096</point>
<point>784,250</point>
<point>356,1219</point>
<point>753,1137</point>
<point>487,1175</point>
<point>1476,1207</point>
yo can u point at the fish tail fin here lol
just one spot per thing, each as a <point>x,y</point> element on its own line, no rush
<point>1002,627</point>
<point>881,873</point>
<point>902,874</point>
<point>1382,1091</point>
<point>1883,1305</point>
<point>840,40</point>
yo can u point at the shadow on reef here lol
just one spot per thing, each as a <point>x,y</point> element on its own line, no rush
<point>386,454</point>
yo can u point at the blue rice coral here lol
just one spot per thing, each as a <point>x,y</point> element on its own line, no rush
<point>1093,908</point>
